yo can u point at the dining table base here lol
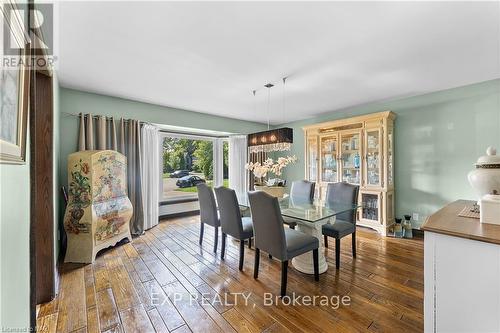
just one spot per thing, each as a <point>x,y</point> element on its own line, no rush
<point>304,263</point>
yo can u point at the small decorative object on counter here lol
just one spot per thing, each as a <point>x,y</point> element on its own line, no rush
<point>486,177</point>
<point>276,182</point>
<point>475,208</point>
<point>398,229</point>
<point>408,231</point>
<point>490,208</point>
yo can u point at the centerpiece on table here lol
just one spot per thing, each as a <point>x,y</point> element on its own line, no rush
<point>275,186</point>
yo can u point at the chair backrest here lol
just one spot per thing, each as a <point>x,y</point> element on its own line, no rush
<point>343,193</point>
<point>229,210</point>
<point>267,224</point>
<point>208,207</point>
<point>302,190</point>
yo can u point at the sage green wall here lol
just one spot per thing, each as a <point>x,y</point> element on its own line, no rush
<point>14,234</point>
<point>14,243</point>
<point>438,137</point>
<point>75,102</point>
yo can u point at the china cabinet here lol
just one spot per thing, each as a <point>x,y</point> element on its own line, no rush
<point>359,151</point>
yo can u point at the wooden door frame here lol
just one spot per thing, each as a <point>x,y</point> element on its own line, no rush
<point>42,265</point>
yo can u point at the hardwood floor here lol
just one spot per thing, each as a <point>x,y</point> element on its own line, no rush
<point>156,283</point>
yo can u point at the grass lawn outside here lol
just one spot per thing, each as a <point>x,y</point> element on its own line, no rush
<point>166,175</point>
<point>192,189</point>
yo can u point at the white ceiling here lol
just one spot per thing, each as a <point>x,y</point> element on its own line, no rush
<point>208,57</point>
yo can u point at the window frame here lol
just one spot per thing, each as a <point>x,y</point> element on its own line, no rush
<point>218,162</point>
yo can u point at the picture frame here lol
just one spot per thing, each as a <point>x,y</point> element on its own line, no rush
<point>14,99</point>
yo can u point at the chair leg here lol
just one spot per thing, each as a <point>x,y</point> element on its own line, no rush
<point>216,238</point>
<point>354,245</point>
<point>270,256</point>
<point>250,243</point>
<point>325,237</point>
<point>223,246</point>
<point>202,228</point>
<point>284,271</point>
<point>337,253</point>
<point>316,264</point>
<point>242,253</point>
<point>256,263</point>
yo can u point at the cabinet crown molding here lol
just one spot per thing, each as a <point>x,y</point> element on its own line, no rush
<point>345,121</point>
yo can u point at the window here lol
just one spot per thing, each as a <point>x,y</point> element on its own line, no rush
<point>187,162</point>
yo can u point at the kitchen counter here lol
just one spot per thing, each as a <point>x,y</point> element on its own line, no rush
<point>461,272</point>
<point>446,221</point>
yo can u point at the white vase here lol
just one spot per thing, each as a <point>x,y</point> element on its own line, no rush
<point>485,179</point>
<point>275,191</point>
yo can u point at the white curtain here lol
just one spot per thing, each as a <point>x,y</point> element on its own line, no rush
<point>238,179</point>
<point>218,162</point>
<point>150,174</point>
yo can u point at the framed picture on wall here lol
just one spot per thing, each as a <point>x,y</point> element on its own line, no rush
<point>14,97</point>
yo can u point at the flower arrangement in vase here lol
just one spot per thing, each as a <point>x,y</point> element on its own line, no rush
<point>260,170</point>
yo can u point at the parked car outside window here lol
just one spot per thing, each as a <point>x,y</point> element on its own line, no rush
<point>188,181</point>
<point>179,173</point>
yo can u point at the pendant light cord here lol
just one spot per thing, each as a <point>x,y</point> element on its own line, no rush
<point>283,110</point>
<point>254,101</point>
<point>269,86</point>
<point>268,104</point>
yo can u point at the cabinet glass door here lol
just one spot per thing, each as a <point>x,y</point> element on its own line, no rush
<point>329,167</point>
<point>351,159</point>
<point>390,157</point>
<point>370,206</point>
<point>373,157</point>
<point>312,156</point>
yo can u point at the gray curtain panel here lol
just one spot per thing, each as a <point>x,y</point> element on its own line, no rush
<point>133,153</point>
<point>126,140</point>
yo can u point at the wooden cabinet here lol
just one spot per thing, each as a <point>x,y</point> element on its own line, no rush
<point>359,151</point>
<point>98,211</point>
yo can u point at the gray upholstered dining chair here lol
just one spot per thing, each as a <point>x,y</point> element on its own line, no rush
<point>271,237</point>
<point>345,223</point>
<point>208,211</point>
<point>231,222</point>
<point>301,190</point>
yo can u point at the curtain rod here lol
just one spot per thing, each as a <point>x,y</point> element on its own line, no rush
<point>193,134</point>
<point>160,130</point>
<point>106,117</point>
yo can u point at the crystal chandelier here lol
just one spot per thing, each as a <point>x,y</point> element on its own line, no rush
<point>279,139</point>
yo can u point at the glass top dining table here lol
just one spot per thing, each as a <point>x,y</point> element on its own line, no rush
<point>306,210</point>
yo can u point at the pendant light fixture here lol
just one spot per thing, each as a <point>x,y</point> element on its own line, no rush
<point>279,139</point>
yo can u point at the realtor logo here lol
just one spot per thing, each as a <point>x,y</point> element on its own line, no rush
<point>39,26</point>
